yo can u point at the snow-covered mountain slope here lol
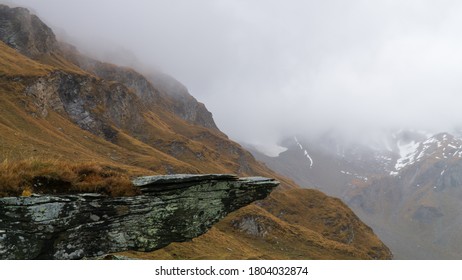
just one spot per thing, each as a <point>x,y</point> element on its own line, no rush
<point>418,207</point>
<point>329,164</point>
<point>440,146</point>
<point>406,184</point>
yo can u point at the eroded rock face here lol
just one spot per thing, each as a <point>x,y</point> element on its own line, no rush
<point>93,104</point>
<point>172,208</point>
<point>25,32</point>
<point>153,89</point>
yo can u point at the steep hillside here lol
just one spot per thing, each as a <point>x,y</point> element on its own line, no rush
<point>58,104</point>
<point>154,88</point>
<point>417,208</point>
<point>406,186</point>
<point>276,229</point>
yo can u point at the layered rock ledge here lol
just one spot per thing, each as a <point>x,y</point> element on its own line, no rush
<point>171,208</point>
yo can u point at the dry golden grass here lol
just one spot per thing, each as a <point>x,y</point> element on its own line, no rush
<point>58,61</point>
<point>59,177</point>
<point>13,63</point>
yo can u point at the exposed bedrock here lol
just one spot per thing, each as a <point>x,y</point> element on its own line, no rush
<point>171,208</point>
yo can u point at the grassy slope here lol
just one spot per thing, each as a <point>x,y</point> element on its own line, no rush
<point>23,135</point>
<point>13,64</point>
<point>327,229</point>
<point>294,235</point>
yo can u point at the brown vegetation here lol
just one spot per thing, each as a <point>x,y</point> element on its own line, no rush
<point>57,177</point>
<point>14,64</point>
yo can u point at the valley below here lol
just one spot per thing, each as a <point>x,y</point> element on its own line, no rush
<point>406,185</point>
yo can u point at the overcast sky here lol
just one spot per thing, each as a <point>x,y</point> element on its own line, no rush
<point>269,68</point>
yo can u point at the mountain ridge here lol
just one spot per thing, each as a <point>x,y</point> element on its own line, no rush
<point>53,108</point>
<point>407,187</point>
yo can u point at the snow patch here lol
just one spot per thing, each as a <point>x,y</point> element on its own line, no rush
<point>356,175</point>
<point>271,150</point>
<point>407,154</point>
<point>305,152</point>
<point>436,147</point>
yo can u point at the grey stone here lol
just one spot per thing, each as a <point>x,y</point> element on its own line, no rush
<point>25,32</point>
<point>171,208</point>
<point>180,178</point>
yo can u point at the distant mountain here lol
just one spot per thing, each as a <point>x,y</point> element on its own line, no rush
<point>407,185</point>
<point>418,206</point>
<point>329,163</point>
<point>57,104</point>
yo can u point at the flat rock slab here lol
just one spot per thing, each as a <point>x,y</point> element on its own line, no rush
<point>172,208</point>
<point>181,178</point>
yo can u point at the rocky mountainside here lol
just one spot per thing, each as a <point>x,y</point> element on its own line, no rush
<point>26,33</point>
<point>59,104</point>
<point>406,186</point>
<point>328,164</point>
<point>168,92</point>
<point>419,202</point>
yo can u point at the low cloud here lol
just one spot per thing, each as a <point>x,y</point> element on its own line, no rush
<point>271,69</point>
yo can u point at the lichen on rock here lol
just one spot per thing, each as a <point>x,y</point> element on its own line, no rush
<point>171,208</point>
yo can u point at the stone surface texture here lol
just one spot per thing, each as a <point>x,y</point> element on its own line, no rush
<point>172,208</point>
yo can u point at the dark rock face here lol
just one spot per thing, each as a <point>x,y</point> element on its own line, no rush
<point>154,90</point>
<point>184,105</point>
<point>172,208</point>
<point>91,103</point>
<point>26,32</point>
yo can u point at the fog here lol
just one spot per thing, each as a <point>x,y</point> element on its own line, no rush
<point>268,69</point>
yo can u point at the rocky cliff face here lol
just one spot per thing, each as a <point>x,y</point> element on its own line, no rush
<point>171,209</point>
<point>184,105</point>
<point>26,32</point>
<point>155,89</point>
<point>93,104</point>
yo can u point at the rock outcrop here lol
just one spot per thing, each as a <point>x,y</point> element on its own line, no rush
<point>25,32</point>
<point>171,208</point>
<point>184,104</point>
<point>93,104</point>
<point>154,89</point>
